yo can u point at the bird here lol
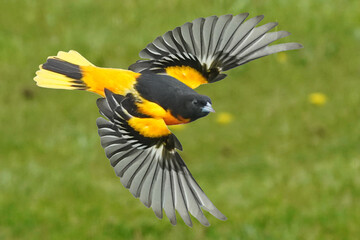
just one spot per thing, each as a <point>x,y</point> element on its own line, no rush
<point>139,103</point>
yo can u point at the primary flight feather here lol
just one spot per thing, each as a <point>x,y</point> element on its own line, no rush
<point>141,102</point>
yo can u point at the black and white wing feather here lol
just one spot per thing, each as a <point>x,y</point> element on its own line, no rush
<point>151,169</point>
<point>212,45</point>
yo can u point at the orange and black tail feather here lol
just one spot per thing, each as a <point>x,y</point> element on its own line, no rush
<point>63,72</point>
<point>67,69</point>
<point>70,70</point>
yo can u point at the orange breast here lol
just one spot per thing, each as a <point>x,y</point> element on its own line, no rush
<point>156,111</point>
<point>171,120</point>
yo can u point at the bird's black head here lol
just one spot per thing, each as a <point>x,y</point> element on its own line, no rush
<point>195,106</point>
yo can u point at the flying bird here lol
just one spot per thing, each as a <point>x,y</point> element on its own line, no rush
<point>138,104</point>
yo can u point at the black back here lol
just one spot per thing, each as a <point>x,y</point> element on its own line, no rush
<point>164,90</point>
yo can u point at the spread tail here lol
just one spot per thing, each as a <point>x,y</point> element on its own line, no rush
<point>63,72</point>
<point>70,70</point>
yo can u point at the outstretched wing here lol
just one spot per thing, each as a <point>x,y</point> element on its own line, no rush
<point>198,52</point>
<point>148,164</point>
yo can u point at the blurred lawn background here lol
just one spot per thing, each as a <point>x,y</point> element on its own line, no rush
<point>282,169</point>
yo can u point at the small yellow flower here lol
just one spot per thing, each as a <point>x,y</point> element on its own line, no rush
<point>224,118</point>
<point>282,57</point>
<point>317,98</point>
<point>178,127</point>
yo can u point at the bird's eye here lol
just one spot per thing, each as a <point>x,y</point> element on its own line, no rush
<point>195,102</point>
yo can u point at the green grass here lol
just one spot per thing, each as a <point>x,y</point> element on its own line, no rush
<point>283,169</point>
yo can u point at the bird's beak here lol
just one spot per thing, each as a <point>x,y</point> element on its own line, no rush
<point>208,108</point>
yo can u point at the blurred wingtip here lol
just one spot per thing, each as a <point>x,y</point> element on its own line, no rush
<point>294,46</point>
<point>223,218</point>
<point>173,221</point>
<point>260,17</point>
<point>158,215</point>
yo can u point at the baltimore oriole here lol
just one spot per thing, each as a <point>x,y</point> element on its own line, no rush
<point>140,102</point>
